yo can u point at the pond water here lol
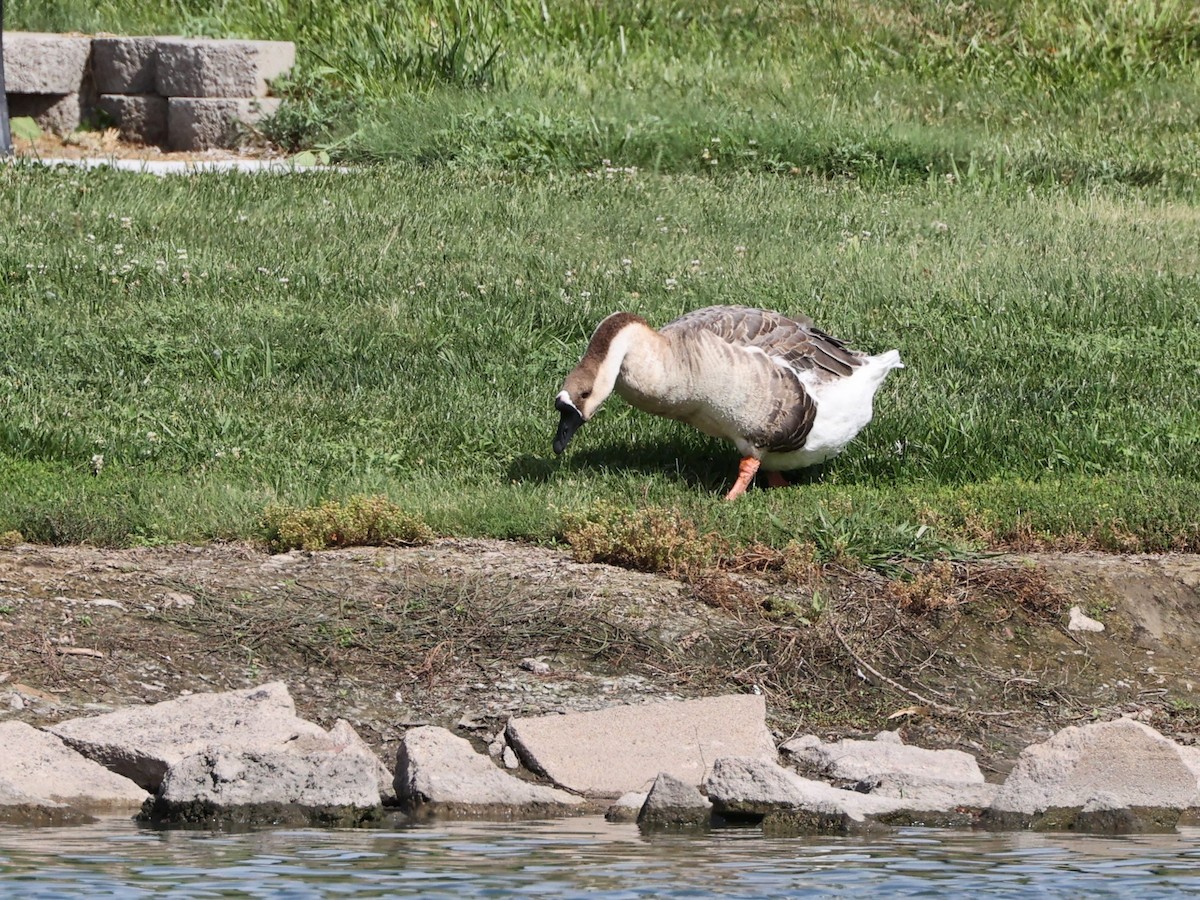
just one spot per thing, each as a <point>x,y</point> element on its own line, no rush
<point>583,858</point>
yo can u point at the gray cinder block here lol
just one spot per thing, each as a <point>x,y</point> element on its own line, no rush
<point>195,123</point>
<point>139,117</point>
<point>124,65</point>
<point>36,63</point>
<point>220,69</point>
<point>59,113</point>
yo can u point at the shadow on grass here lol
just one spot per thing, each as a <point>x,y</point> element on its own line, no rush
<point>696,469</point>
<point>710,472</point>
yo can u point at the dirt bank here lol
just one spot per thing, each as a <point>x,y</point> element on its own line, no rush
<point>969,655</point>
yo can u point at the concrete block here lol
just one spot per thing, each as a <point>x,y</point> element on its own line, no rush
<point>143,742</point>
<point>37,767</point>
<point>201,124</point>
<point>124,65</point>
<point>196,68</point>
<point>59,113</point>
<point>138,117</point>
<point>440,773</point>
<point>611,751</point>
<point>36,63</point>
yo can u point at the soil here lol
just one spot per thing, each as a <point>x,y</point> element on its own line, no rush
<point>107,144</point>
<point>466,633</point>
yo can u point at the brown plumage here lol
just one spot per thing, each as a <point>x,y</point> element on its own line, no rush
<point>784,392</point>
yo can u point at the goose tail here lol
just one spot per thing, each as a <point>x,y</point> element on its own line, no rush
<point>888,361</point>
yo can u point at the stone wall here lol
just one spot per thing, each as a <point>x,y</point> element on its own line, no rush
<point>179,93</point>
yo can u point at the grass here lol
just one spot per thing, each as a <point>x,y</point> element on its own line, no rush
<point>1003,191</point>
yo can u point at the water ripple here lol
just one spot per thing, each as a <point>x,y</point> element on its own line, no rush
<point>583,858</point>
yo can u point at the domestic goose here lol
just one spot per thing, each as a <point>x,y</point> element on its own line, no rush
<point>786,394</point>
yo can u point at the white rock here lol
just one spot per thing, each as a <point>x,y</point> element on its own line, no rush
<point>853,760</point>
<point>1079,621</point>
<point>143,742</point>
<point>441,772</point>
<point>1122,762</point>
<point>755,787</point>
<point>674,802</point>
<point>39,768</point>
<point>611,751</point>
<point>318,785</point>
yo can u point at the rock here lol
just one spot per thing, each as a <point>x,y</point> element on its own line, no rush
<point>932,793</point>
<point>347,739</point>
<point>611,751</point>
<point>1105,814</point>
<point>38,770</point>
<point>440,774</point>
<point>626,807</point>
<point>1081,622</point>
<point>219,787</point>
<point>1083,776</point>
<point>742,788</point>
<point>672,803</point>
<point>141,743</point>
<point>856,761</point>
<point>19,808</point>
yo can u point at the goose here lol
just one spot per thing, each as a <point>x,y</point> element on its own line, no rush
<point>785,393</point>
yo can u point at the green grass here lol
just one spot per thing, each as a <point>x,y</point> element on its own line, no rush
<point>1053,91</point>
<point>1004,191</point>
<point>231,342</point>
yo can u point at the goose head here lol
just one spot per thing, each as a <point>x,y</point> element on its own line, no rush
<point>591,382</point>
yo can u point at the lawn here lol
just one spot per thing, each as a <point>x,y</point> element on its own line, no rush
<point>179,355</point>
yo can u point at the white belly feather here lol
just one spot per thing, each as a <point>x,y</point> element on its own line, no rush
<point>844,407</point>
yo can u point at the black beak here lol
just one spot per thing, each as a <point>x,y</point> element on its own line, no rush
<point>567,425</point>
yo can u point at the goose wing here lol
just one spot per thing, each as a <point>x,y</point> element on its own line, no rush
<point>794,340</point>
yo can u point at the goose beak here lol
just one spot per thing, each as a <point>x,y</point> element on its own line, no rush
<point>567,425</point>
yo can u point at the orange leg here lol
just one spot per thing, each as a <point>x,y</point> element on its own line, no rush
<point>746,469</point>
<point>776,479</point>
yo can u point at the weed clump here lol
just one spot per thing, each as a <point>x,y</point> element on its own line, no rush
<point>651,539</point>
<point>358,521</point>
<point>10,539</point>
<point>935,590</point>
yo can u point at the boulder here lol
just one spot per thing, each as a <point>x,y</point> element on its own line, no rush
<point>342,738</point>
<point>672,803</point>
<point>855,761</point>
<point>219,787</point>
<point>142,742</point>
<point>612,751</point>
<point>931,793</point>
<point>38,769</point>
<point>626,807</point>
<point>785,802</point>
<point>440,774</point>
<point>19,808</point>
<point>1083,777</point>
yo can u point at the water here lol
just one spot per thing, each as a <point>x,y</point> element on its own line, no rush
<point>584,858</point>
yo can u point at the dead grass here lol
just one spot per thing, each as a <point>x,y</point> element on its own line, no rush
<point>650,539</point>
<point>359,521</point>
